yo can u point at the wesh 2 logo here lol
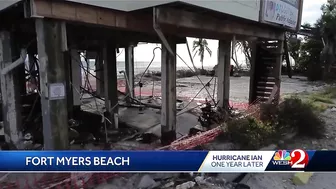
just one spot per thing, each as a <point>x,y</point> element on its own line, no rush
<point>297,159</point>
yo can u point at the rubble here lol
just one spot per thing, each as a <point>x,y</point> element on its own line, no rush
<point>186,185</point>
<point>333,109</point>
<point>79,179</point>
<point>168,185</point>
<point>199,180</point>
<point>147,182</point>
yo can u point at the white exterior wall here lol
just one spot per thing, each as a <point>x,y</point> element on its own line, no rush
<point>248,9</point>
<point>124,5</point>
<point>6,3</point>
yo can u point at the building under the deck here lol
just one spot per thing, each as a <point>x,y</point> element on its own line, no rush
<point>55,33</point>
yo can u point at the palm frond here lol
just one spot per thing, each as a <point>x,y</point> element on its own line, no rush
<point>209,50</point>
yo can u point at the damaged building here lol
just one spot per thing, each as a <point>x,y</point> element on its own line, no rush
<point>42,100</point>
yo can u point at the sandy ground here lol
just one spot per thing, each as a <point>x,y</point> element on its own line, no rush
<point>318,180</point>
<point>239,87</point>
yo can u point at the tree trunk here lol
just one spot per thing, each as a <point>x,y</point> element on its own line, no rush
<point>328,51</point>
<point>289,68</point>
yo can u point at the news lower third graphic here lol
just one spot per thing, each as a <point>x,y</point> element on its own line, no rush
<point>297,160</point>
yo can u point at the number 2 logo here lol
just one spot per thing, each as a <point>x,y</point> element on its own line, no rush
<point>299,159</point>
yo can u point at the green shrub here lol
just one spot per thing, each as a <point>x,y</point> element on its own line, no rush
<point>295,114</point>
<point>317,106</point>
<point>318,98</point>
<point>330,92</point>
<point>251,133</point>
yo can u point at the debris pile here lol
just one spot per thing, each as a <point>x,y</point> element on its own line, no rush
<point>171,181</point>
<point>84,127</point>
<point>211,115</point>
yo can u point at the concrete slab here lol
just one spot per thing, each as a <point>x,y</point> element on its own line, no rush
<point>149,119</point>
<point>141,120</point>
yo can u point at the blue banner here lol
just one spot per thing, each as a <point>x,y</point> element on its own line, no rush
<point>101,161</point>
<point>168,161</point>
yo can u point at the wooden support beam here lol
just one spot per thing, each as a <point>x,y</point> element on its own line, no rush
<point>69,86</point>
<point>110,84</point>
<point>168,91</point>
<point>10,91</point>
<point>100,74</point>
<point>20,74</point>
<point>52,81</point>
<point>79,12</point>
<point>192,20</point>
<point>223,73</point>
<point>76,77</point>
<point>253,71</point>
<point>129,69</point>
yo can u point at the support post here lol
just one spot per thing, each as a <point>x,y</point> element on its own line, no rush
<point>52,80</point>
<point>253,72</point>
<point>110,84</point>
<point>68,81</point>
<point>76,78</point>
<point>168,91</point>
<point>129,68</point>
<point>100,74</point>
<point>10,94</point>
<point>224,65</point>
<point>277,68</point>
<point>20,74</point>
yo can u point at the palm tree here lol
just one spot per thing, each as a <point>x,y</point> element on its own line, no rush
<point>200,45</point>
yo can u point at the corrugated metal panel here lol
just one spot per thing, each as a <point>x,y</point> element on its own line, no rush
<point>7,3</point>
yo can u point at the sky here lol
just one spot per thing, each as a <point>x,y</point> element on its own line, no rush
<point>144,52</point>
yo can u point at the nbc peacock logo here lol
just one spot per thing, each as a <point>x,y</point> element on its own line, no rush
<point>281,157</point>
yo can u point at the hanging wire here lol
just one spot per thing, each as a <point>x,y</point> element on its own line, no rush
<point>122,50</point>
<point>88,84</point>
<point>204,86</point>
<point>197,94</point>
<point>150,63</point>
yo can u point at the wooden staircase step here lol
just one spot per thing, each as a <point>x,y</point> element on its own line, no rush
<point>265,89</point>
<point>262,98</point>
<point>268,78</point>
<point>265,84</point>
<point>264,93</point>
